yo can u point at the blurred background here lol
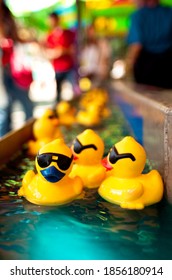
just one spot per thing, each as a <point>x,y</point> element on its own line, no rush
<point>110,21</point>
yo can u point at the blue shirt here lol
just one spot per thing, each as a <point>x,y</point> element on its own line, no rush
<point>152,28</point>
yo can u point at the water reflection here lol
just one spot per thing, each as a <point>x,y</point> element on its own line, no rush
<point>85,229</point>
<point>99,230</point>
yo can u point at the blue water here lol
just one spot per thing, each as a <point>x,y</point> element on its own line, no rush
<point>87,229</point>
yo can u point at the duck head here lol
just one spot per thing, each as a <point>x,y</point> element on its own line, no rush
<point>54,161</point>
<point>88,148</point>
<point>46,125</point>
<point>64,107</point>
<point>127,158</point>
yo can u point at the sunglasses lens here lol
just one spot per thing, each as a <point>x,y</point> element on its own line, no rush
<point>64,162</point>
<point>77,147</point>
<point>44,160</point>
<point>113,157</point>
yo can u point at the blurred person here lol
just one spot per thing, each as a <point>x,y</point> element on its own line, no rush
<point>105,56</point>
<point>149,56</point>
<point>3,104</point>
<point>90,54</point>
<point>16,86</point>
<point>59,49</point>
<point>95,56</point>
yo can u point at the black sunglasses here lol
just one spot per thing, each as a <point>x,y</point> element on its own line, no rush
<point>63,162</point>
<point>115,156</point>
<point>78,147</point>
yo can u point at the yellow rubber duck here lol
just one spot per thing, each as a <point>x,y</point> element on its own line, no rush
<point>45,130</point>
<point>125,184</point>
<point>88,149</point>
<point>52,185</point>
<point>89,117</point>
<point>66,113</point>
<point>95,95</point>
<point>93,108</point>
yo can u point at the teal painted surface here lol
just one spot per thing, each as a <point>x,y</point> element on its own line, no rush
<point>87,229</point>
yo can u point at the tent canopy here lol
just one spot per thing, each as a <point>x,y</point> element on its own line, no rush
<point>110,16</point>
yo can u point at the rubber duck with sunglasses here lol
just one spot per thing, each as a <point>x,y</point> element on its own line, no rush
<point>125,184</point>
<point>52,184</point>
<point>88,149</point>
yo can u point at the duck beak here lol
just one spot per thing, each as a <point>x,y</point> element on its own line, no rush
<point>52,174</point>
<point>56,122</point>
<point>74,156</point>
<point>106,164</point>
